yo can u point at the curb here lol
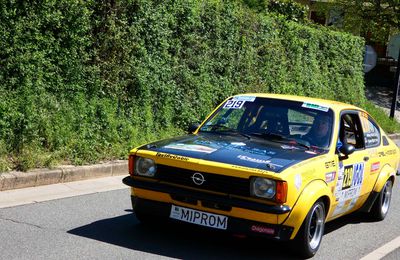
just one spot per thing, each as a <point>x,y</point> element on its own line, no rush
<point>17,180</point>
<point>394,136</point>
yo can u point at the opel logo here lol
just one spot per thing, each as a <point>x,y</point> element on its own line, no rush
<point>198,178</point>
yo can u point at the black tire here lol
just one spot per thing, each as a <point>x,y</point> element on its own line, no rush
<point>147,212</point>
<point>309,237</point>
<point>381,205</point>
<point>144,217</point>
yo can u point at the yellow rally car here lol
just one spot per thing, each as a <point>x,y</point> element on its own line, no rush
<point>271,165</point>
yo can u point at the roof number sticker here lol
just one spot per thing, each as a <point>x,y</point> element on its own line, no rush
<point>315,106</point>
<point>234,104</point>
<point>245,98</point>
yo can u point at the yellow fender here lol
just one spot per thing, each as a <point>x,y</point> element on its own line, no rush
<point>386,173</point>
<point>314,190</point>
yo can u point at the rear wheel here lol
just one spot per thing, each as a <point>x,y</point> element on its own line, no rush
<point>310,234</point>
<point>381,206</point>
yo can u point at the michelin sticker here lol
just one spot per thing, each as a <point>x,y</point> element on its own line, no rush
<point>350,180</point>
<point>315,106</point>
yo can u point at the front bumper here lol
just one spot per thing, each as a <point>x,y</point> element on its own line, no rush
<point>221,201</point>
<point>235,225</point>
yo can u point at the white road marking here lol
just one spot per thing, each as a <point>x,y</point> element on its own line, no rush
<point>383,250</point>
<point>10,198</point>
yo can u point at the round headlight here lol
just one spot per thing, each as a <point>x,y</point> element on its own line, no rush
<point>264,188</point>
<point>145,167</point>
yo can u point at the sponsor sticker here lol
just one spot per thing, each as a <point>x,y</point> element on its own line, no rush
<point>363,114</point>
<point>289,147</point>
<point>172,156</point>
<point>315,106</point>
<point>238,144</point>
<point>330,164</point>
<point>297,181</point>
<point>330,176</point>
<point>245,98</point>
<point>310,152</point>
<point>268,163</point>
<point>262,229</point>
<point>191,147</point>
<point>350,179</point>
<point>390,152</point>
<point>250,159</point>
<point>375,167</point>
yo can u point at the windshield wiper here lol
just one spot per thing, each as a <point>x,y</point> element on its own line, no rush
<point>225,128</point>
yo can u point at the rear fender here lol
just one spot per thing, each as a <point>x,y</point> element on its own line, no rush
<point>315,190</point>
<point>386,173</point>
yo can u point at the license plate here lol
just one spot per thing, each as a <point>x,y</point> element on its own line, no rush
<point>199,217</point>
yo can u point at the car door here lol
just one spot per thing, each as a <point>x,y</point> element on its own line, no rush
<point>373,149</point>
<point>352,187</point>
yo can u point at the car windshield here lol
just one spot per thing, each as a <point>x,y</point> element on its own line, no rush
<point>299,123</point>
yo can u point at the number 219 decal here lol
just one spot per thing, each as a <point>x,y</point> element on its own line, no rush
<point>349,181</point>
<point>234,104</point>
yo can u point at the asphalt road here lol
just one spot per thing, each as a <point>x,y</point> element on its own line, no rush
<point>101,226</point>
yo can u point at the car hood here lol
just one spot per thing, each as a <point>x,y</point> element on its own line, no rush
<point>234,149</point>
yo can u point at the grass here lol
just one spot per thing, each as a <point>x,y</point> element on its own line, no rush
<point>388,124</point>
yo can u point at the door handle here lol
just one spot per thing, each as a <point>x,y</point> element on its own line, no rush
<point>366,158</point>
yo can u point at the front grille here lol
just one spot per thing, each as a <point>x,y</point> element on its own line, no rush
<point>213,182</point>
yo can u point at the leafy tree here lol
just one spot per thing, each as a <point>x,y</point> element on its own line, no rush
<point>289,9</point>
<point>380,18</point>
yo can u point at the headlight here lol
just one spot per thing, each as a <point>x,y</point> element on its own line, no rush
<point>262,187</point>
<point>145,167</point>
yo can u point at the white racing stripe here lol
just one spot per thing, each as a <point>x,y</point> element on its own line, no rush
<point>10,198</point>
<point>383,250</point>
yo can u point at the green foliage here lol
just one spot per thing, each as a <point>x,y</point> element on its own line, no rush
<point>289,9</point>
<point>388,124</point>
<point>84,81</point>
<point>376,18</point>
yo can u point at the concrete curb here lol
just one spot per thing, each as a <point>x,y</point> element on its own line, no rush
<point>394,136</point>
<point>17,180</point>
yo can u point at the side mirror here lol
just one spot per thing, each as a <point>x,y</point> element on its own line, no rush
<point>347,149</point>
<point>193,127</point>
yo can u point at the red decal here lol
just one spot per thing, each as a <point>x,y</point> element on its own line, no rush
<point>375,166</point>
<point>261,229</point>
<point>330,176</point>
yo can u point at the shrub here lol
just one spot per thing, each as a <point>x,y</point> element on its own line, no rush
<point>84,81</point>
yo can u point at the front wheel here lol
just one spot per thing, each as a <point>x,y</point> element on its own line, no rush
<point>381,206</point>
<point>310,234</point>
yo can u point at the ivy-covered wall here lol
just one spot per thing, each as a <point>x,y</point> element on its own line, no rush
<point>82,81</point>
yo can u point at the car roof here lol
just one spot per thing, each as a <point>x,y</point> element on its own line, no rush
<point>334,105</point>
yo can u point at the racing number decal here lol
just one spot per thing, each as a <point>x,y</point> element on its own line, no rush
<point>353,175</point>
<point>234,104</point>
<point>350,180</point>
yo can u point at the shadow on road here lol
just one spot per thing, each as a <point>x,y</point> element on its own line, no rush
<point>180,241</point>
<point>353,218</point>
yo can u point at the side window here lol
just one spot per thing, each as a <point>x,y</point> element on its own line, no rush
<point>350,130</point>
<point>372,136</point>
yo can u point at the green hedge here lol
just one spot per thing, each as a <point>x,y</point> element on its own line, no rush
<point>83,81</point>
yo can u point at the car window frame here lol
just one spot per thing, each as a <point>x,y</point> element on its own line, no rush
<point>370,119</point>
<point>359,126</point>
